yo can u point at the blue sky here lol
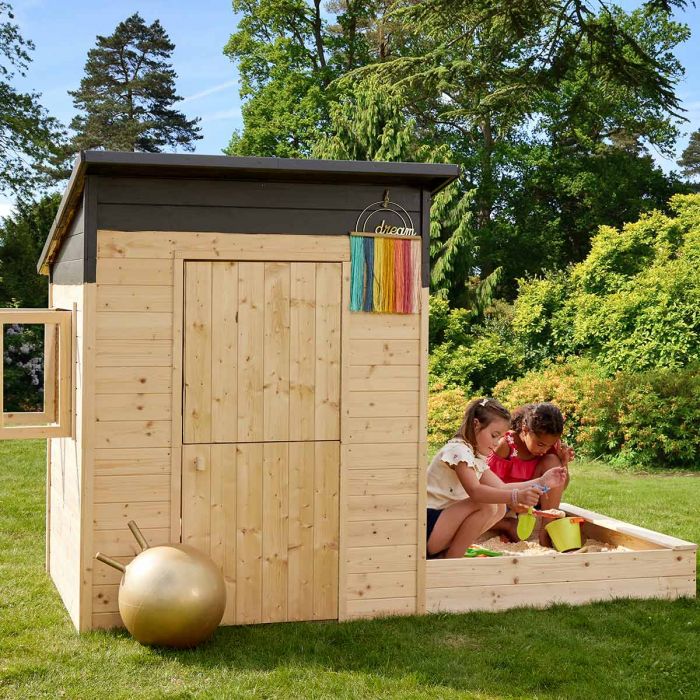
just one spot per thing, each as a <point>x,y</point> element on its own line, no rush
<point>64,32</point>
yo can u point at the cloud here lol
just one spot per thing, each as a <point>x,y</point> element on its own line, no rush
<point>209,91</point>
<point>234,113</point>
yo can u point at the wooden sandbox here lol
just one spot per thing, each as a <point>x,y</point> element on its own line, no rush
<point>658,566</point>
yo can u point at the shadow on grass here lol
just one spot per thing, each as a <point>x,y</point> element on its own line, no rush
<point>606,649</point>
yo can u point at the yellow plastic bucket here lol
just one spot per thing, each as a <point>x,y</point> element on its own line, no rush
<point>565,533</point>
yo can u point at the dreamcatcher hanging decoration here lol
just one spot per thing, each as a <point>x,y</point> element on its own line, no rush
<point>385,261</point>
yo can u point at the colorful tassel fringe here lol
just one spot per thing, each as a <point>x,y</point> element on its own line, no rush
<point>384,275</point>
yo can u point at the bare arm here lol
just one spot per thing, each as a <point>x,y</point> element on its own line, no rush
<point>564,452</point>
<point>491,489</point>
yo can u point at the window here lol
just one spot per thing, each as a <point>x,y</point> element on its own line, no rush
<point>35,373</point>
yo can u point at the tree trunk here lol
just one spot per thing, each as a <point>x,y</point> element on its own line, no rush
<point>352,34</point>
<point>318,36</point>
<point>486,188</point>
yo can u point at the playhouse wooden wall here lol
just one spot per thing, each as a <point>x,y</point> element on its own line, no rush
<point>135,459</point>
<point>67,469</point>
<point>67,464</point>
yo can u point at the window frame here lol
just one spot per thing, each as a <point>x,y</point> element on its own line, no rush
<point>56,418</point>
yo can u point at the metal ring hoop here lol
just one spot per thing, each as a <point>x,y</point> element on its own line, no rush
<point>383,207</point>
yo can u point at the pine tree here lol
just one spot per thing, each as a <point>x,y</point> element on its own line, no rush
<point>690,158</point>
<point>128,92</point>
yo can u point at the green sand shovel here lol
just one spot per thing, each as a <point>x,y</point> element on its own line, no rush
<point>526,524</point>
<point>527,521</point>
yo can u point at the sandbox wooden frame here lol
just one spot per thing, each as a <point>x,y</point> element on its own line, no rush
<point>658,566</point>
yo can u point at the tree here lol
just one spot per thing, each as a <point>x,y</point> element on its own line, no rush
<point>22,237</point>
<point>543,103</point>
<point>289,53</point>
<point>28,136</point>
<point>690,158</point>
<point>373,123</point>
<point>558,196</point>
<point>128,92</point>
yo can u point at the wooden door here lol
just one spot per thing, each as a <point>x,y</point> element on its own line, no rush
<point>267,514</point>
<point>261,351</point>
<point>261,426</point>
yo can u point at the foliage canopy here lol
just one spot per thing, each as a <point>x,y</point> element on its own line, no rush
<point>633,303</point>
<point>542,103</point>
<point>28,135</point>
<point>22,237</point>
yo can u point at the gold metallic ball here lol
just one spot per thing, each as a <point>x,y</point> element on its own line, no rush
<point>172,595</point>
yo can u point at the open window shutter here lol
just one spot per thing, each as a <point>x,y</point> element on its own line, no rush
<point>55,420</point>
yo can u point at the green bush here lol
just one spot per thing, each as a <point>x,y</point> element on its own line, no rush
<point>642,419</point>
<point>647,419</point>
<point>536,324</point>
<point>475,368</point>
<point>447,325</point>
<point>469,356</point>
<point>633,304</point>
<point>445,413</point>
<point>569,385</point>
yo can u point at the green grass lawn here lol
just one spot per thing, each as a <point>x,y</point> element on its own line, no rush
<point>607,650</point>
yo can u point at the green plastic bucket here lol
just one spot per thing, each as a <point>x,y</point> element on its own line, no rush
<point>565,533</point>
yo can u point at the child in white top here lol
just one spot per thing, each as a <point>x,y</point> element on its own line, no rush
<point>465,498</point>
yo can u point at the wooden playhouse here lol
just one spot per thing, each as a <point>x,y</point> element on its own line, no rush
<point>213,384</point>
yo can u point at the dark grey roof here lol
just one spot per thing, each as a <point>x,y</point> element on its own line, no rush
<point>431,176</point>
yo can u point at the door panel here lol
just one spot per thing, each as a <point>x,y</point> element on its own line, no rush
<point>326,518</point>
<point>302,355</point>
<point>248,363</point>
<point>327,376</point>
<point>197,353</point>
<point>276,352</point>
<point>261,351</point>
<point>247,572</point>
<point>267,514</point>
<point>224,332</point>
<point>300,553</point>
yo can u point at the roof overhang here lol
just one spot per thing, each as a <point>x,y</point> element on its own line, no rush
<point>431,176</point>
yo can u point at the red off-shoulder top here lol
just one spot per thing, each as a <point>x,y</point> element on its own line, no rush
<point>513,468</point>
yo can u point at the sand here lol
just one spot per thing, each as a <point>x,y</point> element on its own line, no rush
<point>531,547</point>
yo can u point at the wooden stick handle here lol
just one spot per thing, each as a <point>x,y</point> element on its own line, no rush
<point>112,562</point>
<point>137,534</point>
<point>372,234</point>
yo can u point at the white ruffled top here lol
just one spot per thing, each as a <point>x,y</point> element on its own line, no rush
<point>444,488</point>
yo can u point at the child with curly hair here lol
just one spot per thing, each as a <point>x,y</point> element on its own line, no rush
<point>527,451</point>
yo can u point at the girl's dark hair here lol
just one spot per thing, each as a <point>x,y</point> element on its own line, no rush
<point>485,411</point>
<point>539,418</point>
